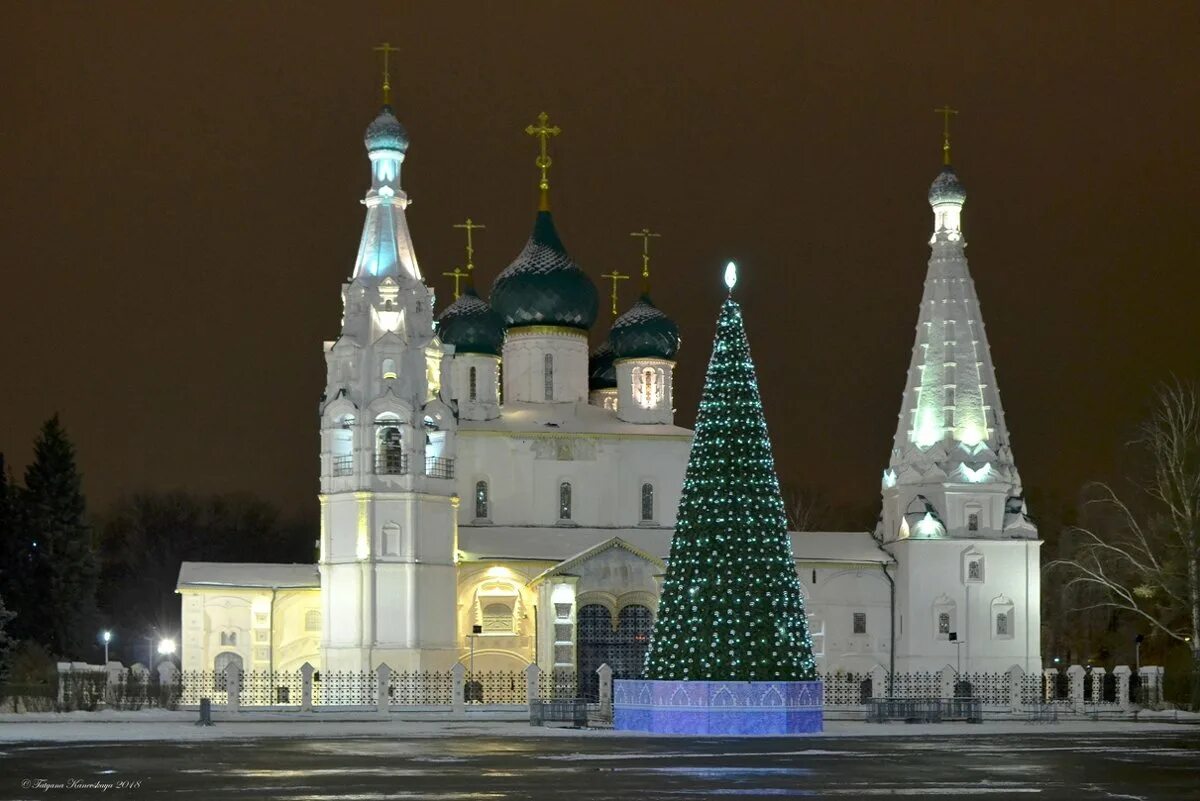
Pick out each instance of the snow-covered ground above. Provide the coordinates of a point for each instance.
(159, 725)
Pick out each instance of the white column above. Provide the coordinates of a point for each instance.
(605, 673)
(306, 690)
(1075, 674)
(383, 676)
(1016, 682)
(532, 685)
(458, 675)
(1122, 672)
(948, 678)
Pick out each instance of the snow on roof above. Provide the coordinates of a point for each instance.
(247, 574)
(567, 418)
(559, 543)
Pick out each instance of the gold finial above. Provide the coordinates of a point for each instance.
(615, 276)
(386, 48)
(945, 111)
(457, 275)
(646, 236)
(543, 132)
(470, 226)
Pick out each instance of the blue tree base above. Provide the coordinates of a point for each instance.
(718, 707)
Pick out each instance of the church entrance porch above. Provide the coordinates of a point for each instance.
(621, 646)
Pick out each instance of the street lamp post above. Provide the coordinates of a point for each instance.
(107, 637)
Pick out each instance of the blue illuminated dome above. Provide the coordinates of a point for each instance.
(386, 133)
(947, 188)
(471, 326)
(644, 332)
(602, 373)
(543, 285)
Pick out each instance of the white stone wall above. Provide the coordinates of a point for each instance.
(525, 351)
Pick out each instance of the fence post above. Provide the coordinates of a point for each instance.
(115, 672)
(458, 700)
(879, 682)
(168, 676)
(1122, 672)
(533, 687)
(383, 678)
(233, 687)
(948, 679)
(306, 687)
(1075, 674)
(1050, 682)
(1097, 686)
(605, 690)
(1016, 684)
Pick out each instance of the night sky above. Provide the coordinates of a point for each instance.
(179, 194)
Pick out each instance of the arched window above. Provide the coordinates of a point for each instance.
(389, 449)
(1002, 624)
(647, 502)
(975, 570)
(228, 638)
(973, 521)
(481, 500)
(564, 501)
(471, 383)
(548, 375)
(497, 618)
(1002, 615)
(943, 623)
(312, 620)
(647, 386)
(342, 446)
(389, 368)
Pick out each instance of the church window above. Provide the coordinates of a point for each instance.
(312, 620)
(471, 383)
(497, 618)
(1002, 614)
(389, 449)
(975, 570)
(647, 386)
(564, 501)
(1002, 624)
(548, 375)
(973, 521)
(481, 500)
(228, 638)
(647, 502)
(389, 369)
(860, 623)
(943, 623)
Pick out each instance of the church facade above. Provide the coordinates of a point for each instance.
(494, 492)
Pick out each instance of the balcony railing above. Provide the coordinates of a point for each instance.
(438, 467)
(391, 463)
(343, 465)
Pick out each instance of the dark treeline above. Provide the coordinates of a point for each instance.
(66, 576)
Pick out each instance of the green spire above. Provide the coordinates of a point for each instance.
(731, 607)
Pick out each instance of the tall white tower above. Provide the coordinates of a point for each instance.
(388, 520)
(953, 510)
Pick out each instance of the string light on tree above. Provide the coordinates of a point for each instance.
(731, 607)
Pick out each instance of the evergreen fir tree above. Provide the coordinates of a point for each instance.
(62, 560)
(6, 642)
(731, 607)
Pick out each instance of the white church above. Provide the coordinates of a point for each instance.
(490, 491)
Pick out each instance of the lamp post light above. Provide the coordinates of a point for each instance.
(107, 637)
(166, 647)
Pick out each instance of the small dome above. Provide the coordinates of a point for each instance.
(947, 188)
(471, 326)
(386, 133)
(543, 285)
(644, 332)
(602, 374)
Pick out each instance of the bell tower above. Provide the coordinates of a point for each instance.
(388, 507)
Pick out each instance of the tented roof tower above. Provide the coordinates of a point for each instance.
(951, 472)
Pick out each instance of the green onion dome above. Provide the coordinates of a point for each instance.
(471, 326)
(386, 133)
(644, 332)
(602, 373)
(543, 285)
(946, 188)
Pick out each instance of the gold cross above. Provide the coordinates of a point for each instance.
(470, 226)
(386, 48)
(458, 275)
(646, 235)
(945, 111)
(543, 132)
(615, 276)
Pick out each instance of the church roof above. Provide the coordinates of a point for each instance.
(946, 187)
(644, 331)
(247, 574)
(471, 325)
(544, 285)
(558, 544)
(385, 132)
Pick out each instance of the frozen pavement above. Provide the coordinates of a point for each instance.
(466, 761)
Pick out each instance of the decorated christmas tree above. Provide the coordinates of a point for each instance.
(731, 607)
